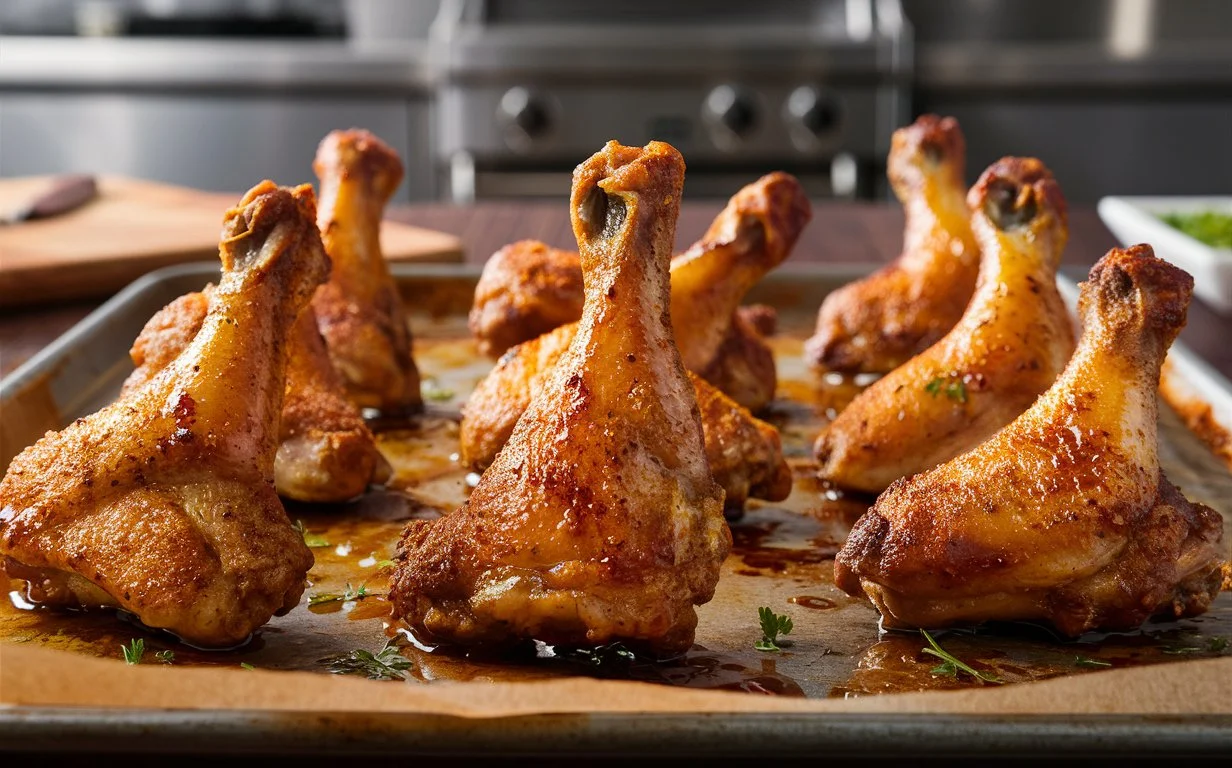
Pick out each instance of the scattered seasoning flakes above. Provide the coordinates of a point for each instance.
(951, 665)
(133, 651)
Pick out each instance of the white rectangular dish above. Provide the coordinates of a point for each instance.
(1138, 220)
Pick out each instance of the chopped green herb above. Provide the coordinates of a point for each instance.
(1210, 227)
(772, 625)
(385, 664)
(349, 594)
(385, 563)
(1217, 644)
(431, 389)
(313, 540)
(166, 657)
(1083, 661)
(1181, 650)
(133, 651)
(952, 388)
(246, 665)
(951, 666)
(599, 655)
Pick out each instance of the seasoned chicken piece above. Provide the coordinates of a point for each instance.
(359, 310)
(529, 288)
(876, 324)
(163, 503)
(325, 451)
(745, 453)
(599, 520)
(1064, 515)
(527, 285)
(1011, 343)
(526, 290)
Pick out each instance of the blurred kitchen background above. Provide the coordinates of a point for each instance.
(502, 98)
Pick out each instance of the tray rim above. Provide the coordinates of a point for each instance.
(25, 727)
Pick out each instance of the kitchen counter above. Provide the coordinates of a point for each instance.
(866, 233)
(194, 64)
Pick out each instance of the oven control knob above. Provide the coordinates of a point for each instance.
(731, 114)
(524, 114)
(812, 114)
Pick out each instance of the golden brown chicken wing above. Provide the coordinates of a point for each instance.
(525, 284)
(526, 290)
(325, 451)
(1064, 515)
(1011, 343)
(359, 310)
(599, 520)
(745, 453)
(876, 324)
(163, 503)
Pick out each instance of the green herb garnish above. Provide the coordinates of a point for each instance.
(246, 665)
(952, 388)
(599, 655)
(349, 594)
(385, 563)
(772, 625)
(166, 657)
(431, 389)
(385, 664)
(1083, 661)
(1209, 227)
(133, 651)
(950, 665)
(313, 540)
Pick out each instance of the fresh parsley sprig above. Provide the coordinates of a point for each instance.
(950, 665)
(133, 651)
(772, 625)
(385, 664)
(166, 657)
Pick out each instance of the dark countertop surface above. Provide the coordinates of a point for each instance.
(839, 233)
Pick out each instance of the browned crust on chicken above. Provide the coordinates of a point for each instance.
(526, 290)
(1064, 516)
(599, 520)
(359, 311)
(876, 324)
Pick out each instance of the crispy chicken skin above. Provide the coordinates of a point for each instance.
(325, 451)
(744, 452)
(527, 283)
(527, 288)
(359, 310)
(1010, 345)
(599, 521)
(163, 503)
(876, 324)
(1064, 515)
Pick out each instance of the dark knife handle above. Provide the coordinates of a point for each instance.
(64, 194)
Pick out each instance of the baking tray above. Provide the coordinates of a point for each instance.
(82, 371)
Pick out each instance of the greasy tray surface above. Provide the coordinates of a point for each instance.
(781, 558)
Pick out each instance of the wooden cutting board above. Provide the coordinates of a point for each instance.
(133, 227)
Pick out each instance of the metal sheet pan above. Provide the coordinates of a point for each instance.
(82, 371)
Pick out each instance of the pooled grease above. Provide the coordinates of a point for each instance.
(781, 559)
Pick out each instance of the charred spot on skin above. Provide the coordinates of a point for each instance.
(603, 214)
(1009, 205)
